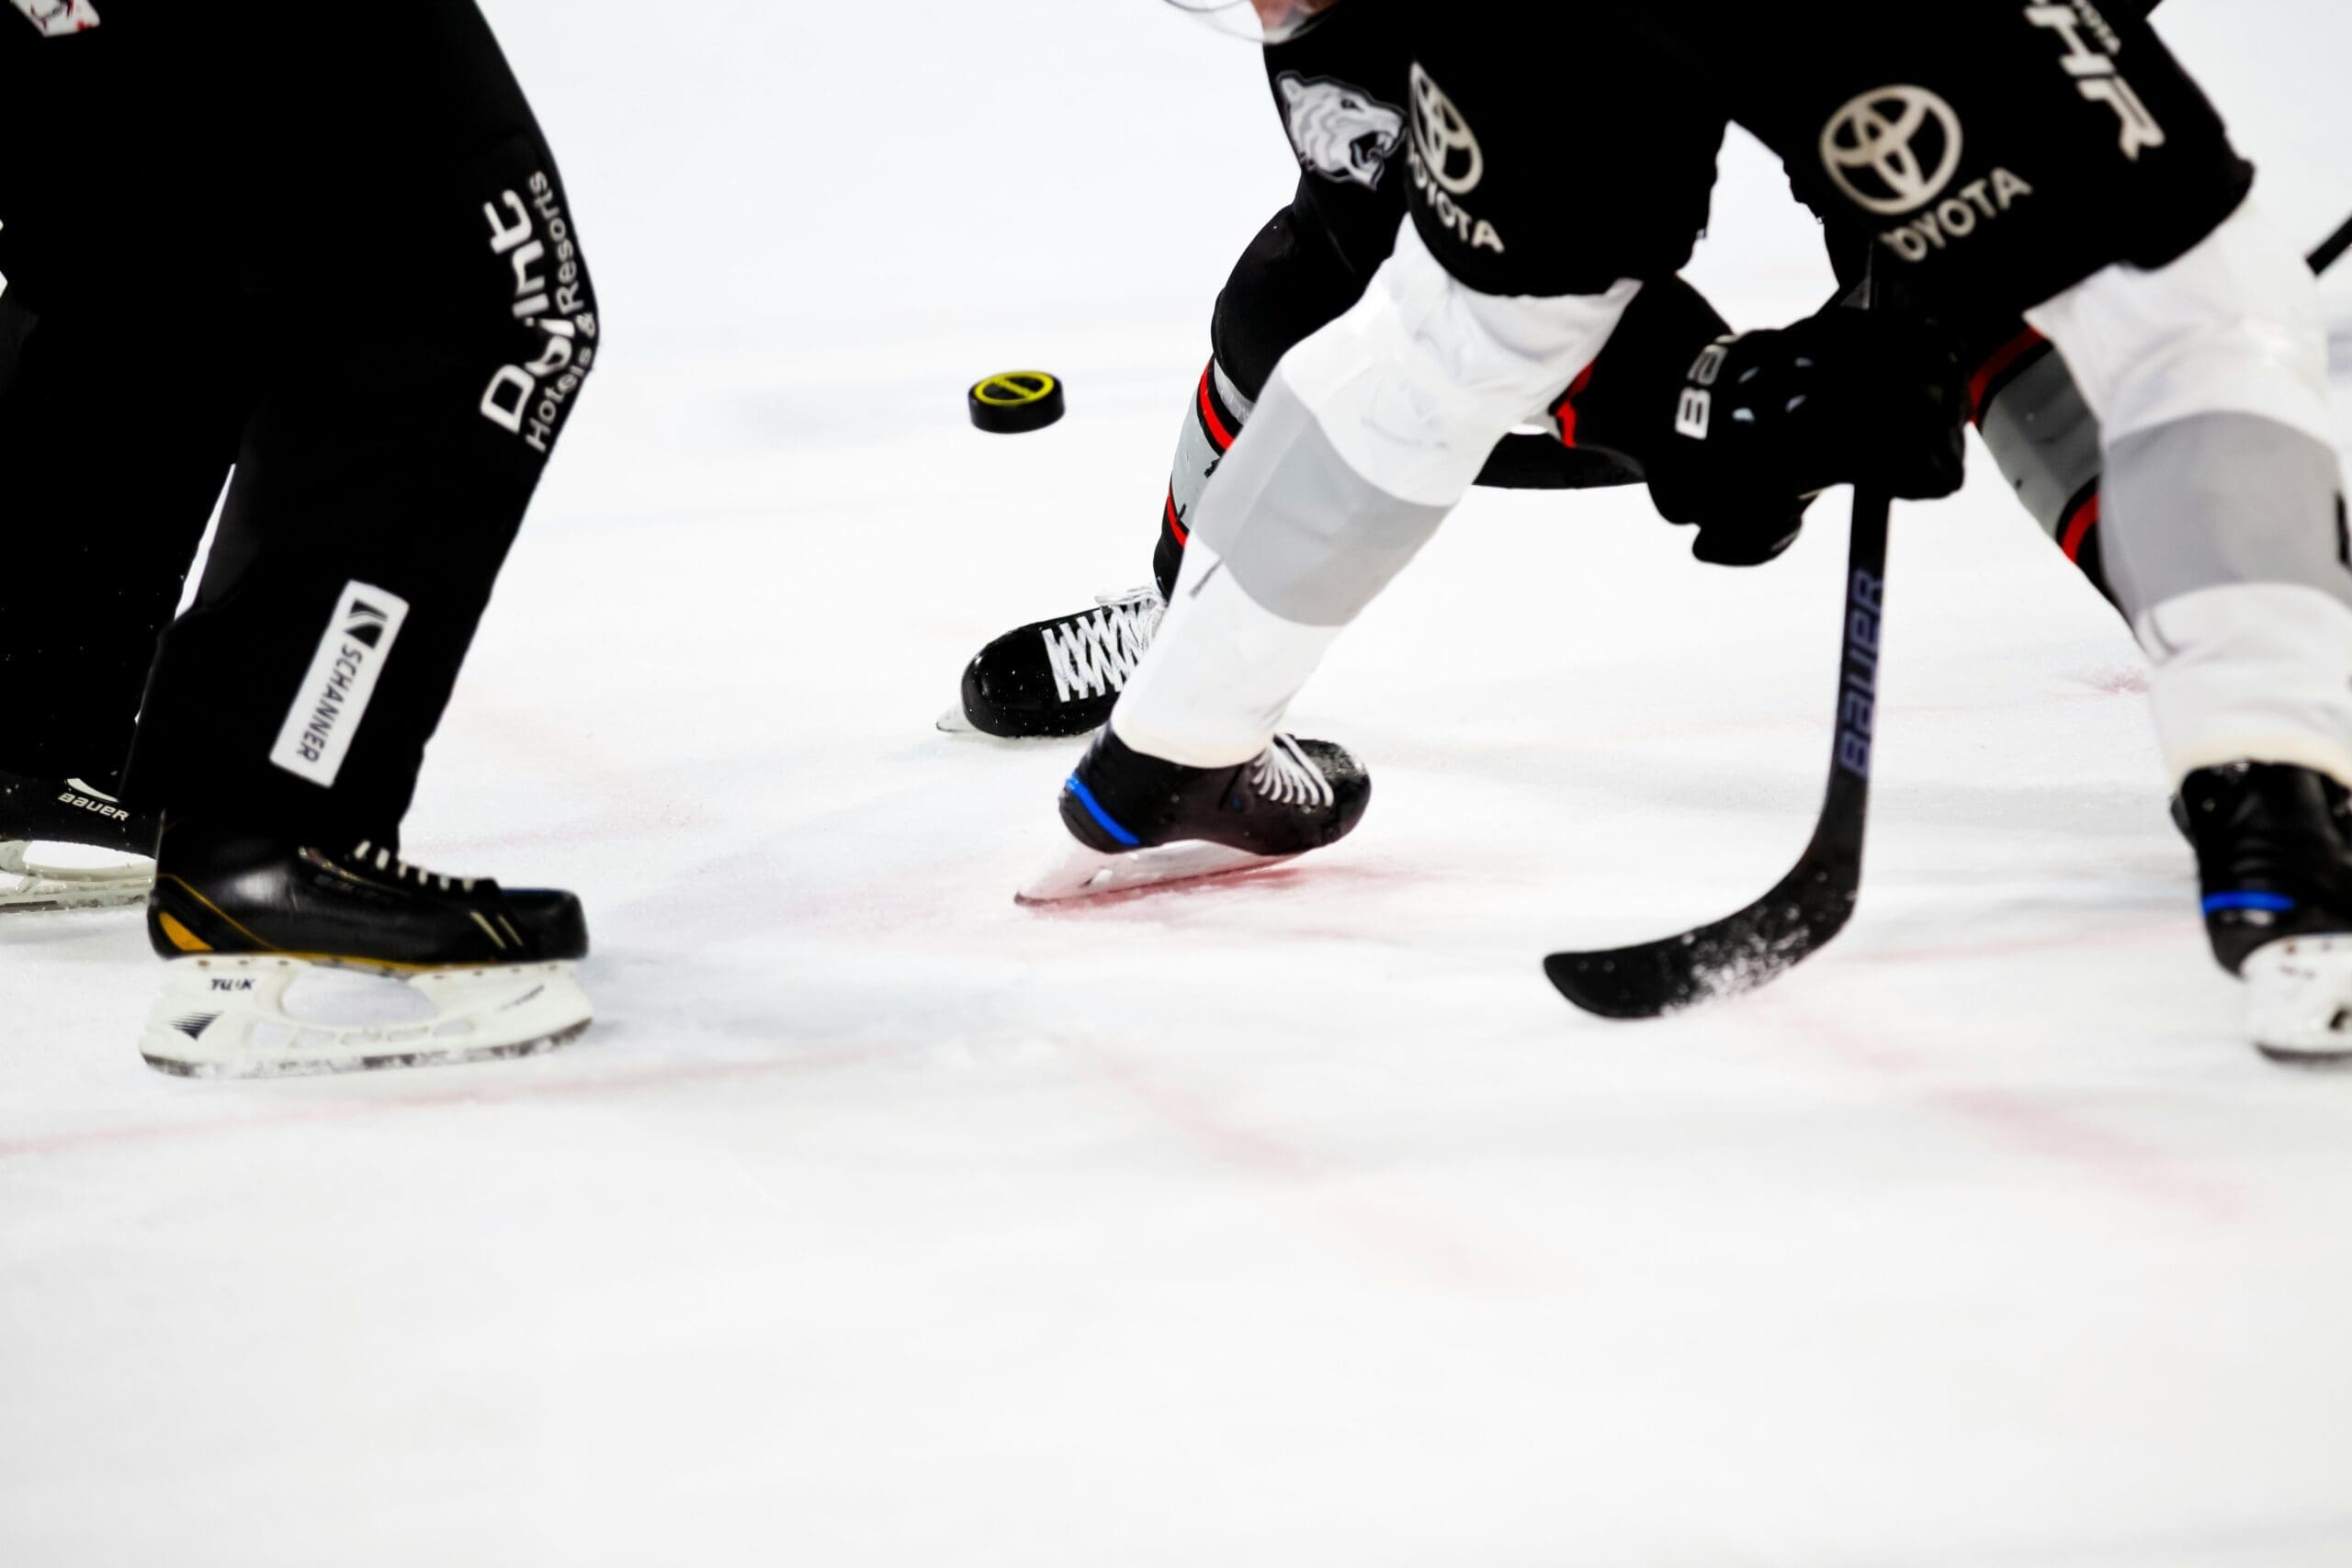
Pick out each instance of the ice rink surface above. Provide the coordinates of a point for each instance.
(1292, 1221)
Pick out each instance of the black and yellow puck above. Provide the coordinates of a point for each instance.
(1015, 402)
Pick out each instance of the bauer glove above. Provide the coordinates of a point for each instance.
(1768, 420)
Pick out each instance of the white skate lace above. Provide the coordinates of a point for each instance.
(1093, 654)
(401, 871)
(1286, 774)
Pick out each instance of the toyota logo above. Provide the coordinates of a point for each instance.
(1441, 137)
(1892, 151)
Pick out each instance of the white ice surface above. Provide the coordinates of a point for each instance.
(1289, 1222)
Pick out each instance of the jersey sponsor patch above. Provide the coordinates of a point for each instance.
(535, 242)
(1448, 163)
(1340, 131)
(1449, 154)
(56, 18)
(1956, 217)
(344, 674)
(1896, 151)
(1892, 151)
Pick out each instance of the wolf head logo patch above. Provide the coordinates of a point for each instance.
(1341, 132)
(56, 18)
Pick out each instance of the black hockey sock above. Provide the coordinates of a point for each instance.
(2045, 438)
(1211, 424)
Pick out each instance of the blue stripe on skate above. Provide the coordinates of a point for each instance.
(2277, 903)
(1094, 810)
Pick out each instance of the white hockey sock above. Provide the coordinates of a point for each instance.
(2220, 533)
(2252, 672)
(1221, 672)
(1367, 434)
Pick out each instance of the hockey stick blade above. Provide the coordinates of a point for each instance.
(2332, 249)
(1808, 907)
(1732, 957)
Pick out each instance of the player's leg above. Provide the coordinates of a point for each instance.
(1058, 677)
(379, 486)
(2046, 441)
(2053, 158)
(1366, 435)
(1339, 91)
(106, 498)
(1342, 91)
(120, 395)
(2224, 541)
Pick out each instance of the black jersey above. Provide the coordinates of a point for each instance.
(1995, 151)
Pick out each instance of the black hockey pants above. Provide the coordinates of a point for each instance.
(328, 245)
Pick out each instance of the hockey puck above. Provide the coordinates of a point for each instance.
(1015, 402)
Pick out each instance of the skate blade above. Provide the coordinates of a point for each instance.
(953, 722)
(29, 885)
(223, 1017)
(1081, 873)
(2300, 992)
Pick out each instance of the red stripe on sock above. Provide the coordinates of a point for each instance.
(2008, 354)
(2078, 528)
(1175, 524)
(1215, 426)
(1567, 412)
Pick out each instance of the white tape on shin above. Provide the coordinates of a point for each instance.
(1221, 672)
(1416, 383)
(2234, 326)
(2210, 377)
(2255, 673)
(1369, 430)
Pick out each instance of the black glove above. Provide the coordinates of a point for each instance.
(1747, 530)
(1625, 405)
(1540, 462)
(1622, 406)
(1768, 420)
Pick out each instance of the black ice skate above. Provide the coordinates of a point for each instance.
(2272, 859)
(290, 959)
(1058, 678)
(1138, 821)
(75, 815)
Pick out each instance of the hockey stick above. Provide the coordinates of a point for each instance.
(1811, 905)
(2332, 249)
